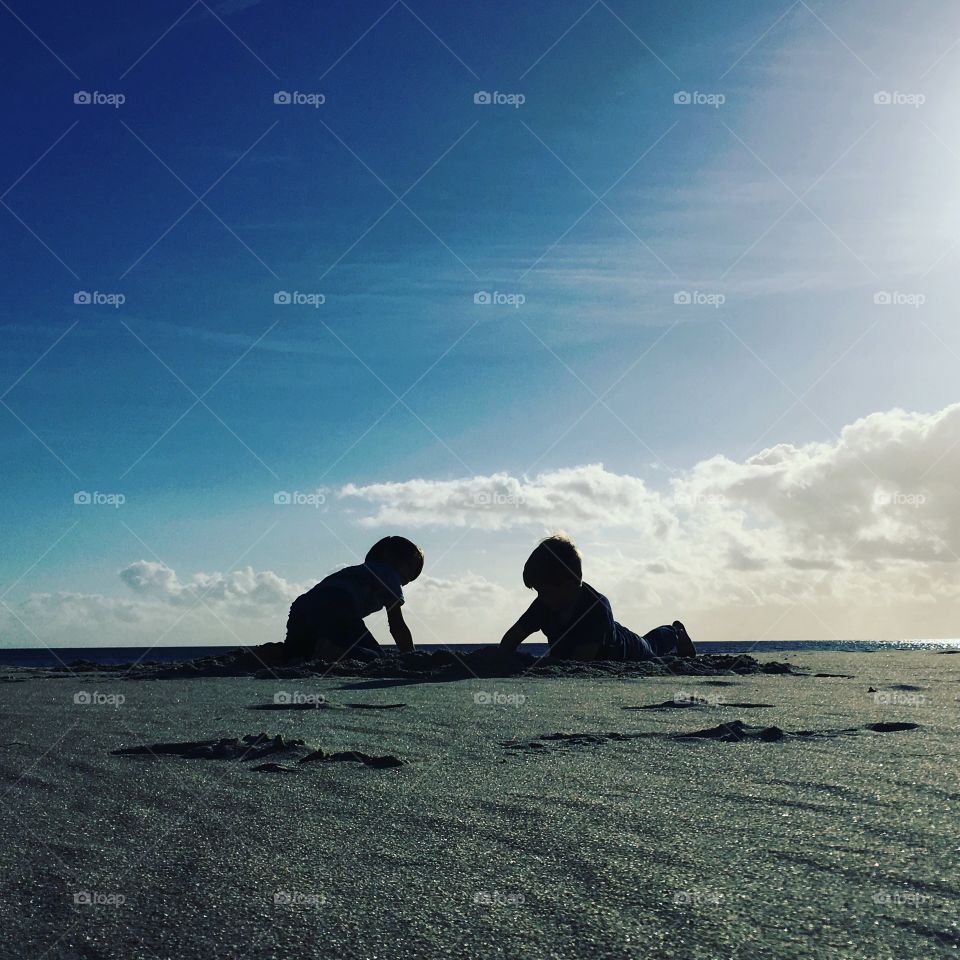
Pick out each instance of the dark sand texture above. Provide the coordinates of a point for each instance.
(622, 835)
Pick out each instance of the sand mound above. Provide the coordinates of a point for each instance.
(733, 731)
(696, 702)
(259, 746)
(736, 731)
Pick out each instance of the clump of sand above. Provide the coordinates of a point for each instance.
(259, 746)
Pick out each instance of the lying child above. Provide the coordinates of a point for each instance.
(577, 620)
(327, 621)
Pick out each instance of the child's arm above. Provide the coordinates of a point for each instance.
(529, 623)
(399, 630)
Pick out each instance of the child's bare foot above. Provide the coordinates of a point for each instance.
(685, 646)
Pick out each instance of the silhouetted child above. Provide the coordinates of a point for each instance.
(327, 621)
(577, 620)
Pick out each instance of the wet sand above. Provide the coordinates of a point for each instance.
(727, 815)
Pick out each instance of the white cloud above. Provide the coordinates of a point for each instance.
(243, 606)
(580, 496)
(859, 537)
(863, 529)
(242, 592)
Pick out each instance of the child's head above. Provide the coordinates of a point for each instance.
(400, 553)
(554, 571)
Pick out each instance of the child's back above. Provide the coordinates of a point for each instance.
(327, 620)
(370, 586)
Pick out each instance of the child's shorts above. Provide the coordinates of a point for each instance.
(659, 642)
(323, 623)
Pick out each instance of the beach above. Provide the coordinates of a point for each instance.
(524, 817)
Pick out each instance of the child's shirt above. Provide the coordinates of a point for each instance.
(370, 587)
(591, 621)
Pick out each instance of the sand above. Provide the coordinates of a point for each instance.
(729, 815)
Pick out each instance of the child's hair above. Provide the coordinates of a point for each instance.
(554, 561)
(394, 550)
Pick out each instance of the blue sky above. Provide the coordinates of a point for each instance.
(598, 201)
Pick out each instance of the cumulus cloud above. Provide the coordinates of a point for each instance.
(884, 489)
(242, 606)
(243, 592)
(462, 593)
(579, 496)
(857, 537)
(872, 517)
(76, 609)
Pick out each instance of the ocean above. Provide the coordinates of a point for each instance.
(58, 656)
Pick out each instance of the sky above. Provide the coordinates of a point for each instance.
(282, 277)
